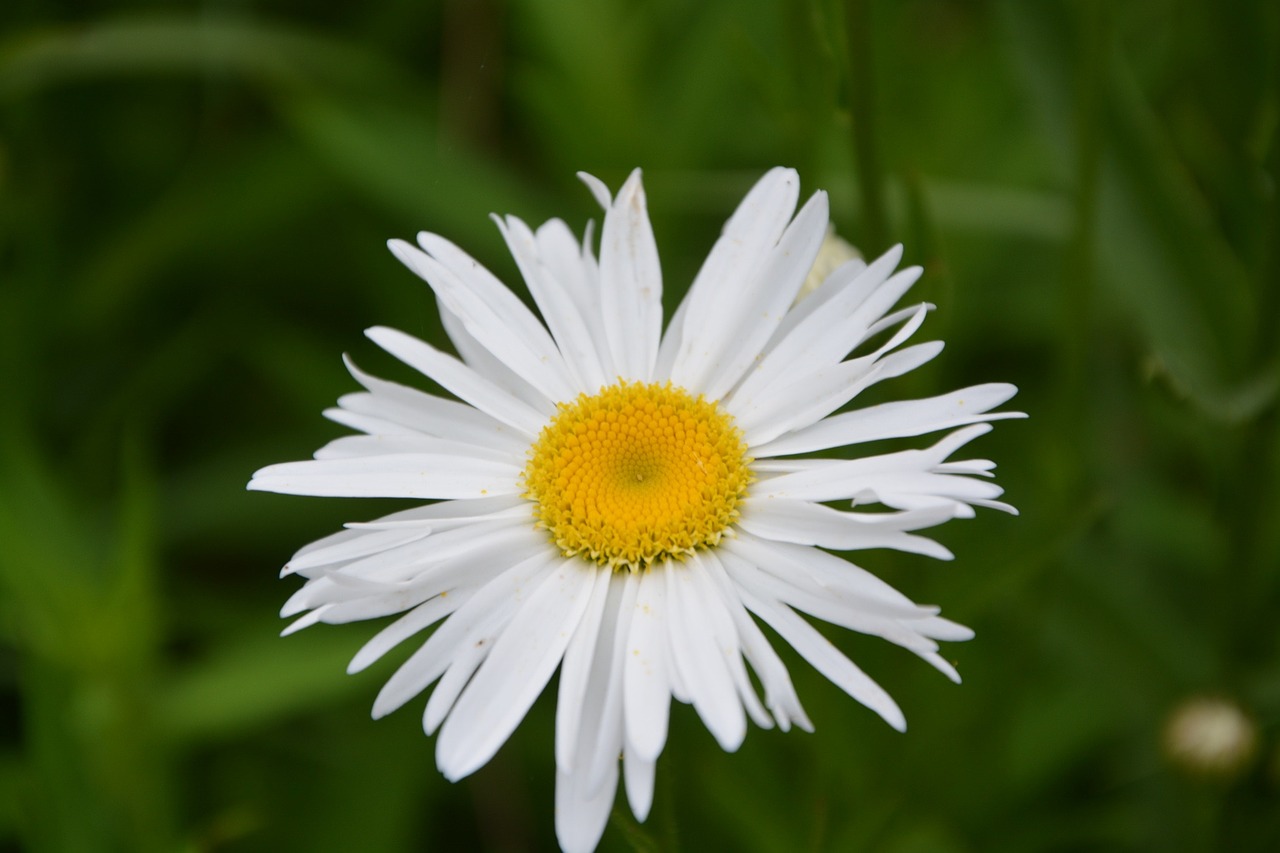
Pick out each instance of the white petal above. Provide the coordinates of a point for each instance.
(699, 659)
(404, 475)
(830, 608)
(826, 658)
(588, 649)
(716, 608)
(798, 401)
(569, 326)
(427, 413)
(764, 299)
(357, 446)
(894, 420)
(581, 812)
(417, 619)
(808, 523)
(516, 670)
(842, 292)
(601, 753)
(638, 776)
(780, 694)
(737, 256)
(490, 312)
(480, 619)
(460, 380)
(646, 685)
(817, 570)
(484, 363)
(631, 283)
(598, 189)
(903, 474)
(819, 335)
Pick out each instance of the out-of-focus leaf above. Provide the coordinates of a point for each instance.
(246, 193)
(396, 158)
(33, 60)
(1156, 242)
(254, 683)
(1055, 728)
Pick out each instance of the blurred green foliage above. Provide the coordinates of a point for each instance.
(194, 199)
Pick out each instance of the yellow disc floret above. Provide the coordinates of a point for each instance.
(636, 473)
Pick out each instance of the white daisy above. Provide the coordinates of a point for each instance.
(625, 504)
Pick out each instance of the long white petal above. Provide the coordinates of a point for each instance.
(581, 810)
(748, 236)
(715, 607)
(419, 618)
(699, 659)
(799, 401)
(605, 743)
(637, 775)
(896, 420)
(826, 658)
(402, 475)
(819, 572)
(581, 658)
(764, 301)
(780, 694)
(489, 311)
(516, 670)
(821, 335)
(807, 523)
(427, 413)
(631, 283)
(460, 380)
(646, 684)
(479, 620)
(563, 315)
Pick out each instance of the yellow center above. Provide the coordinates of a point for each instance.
(636, 473)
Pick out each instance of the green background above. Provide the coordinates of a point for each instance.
(194, 199)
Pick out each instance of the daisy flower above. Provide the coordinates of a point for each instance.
(628, 505)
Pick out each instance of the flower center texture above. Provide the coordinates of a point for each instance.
(636, 473)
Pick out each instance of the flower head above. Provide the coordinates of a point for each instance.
(624, 503)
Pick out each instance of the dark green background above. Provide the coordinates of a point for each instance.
(194, 200)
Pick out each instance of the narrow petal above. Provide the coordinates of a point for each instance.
(749, 235)
(478, 620)
(715, 608)
(637, 774)
(403, 475)
(896, 420)
(490, 312)
(569, 326)
(801, 400)
(582, 810)
(780, 694)
(807, 523)
(819, 336)
(646, 684)
(427, 413)
(631, 283)
(459, 379)
(581, 657)
(826, 658)
(360, 446)
(605, 744)
(763, 302)
(700, 661)
(418, 619)
(801, 565)
(516, 670)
